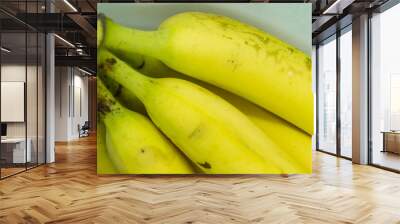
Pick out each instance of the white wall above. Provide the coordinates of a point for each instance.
(13, 101)
(62, 81)
(71, 102)
(80, 110)
(12, 73)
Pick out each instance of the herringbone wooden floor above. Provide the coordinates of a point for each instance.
(69, 191)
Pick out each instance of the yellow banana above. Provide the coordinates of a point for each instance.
(210, 131)
(291, 139)
(104, 164)
(124, 96)
(229, 54)
(296, 143)
(133, 143)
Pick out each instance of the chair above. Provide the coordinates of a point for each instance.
(84, 130)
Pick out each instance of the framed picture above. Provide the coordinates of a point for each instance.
(204, 88)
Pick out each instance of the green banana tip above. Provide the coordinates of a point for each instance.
(101, 26)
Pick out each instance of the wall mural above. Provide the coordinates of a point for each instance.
(204, 88)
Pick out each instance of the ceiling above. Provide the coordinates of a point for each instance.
(75, 22)
(74, 25)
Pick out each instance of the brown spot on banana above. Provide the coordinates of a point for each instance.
(195, 132)
(205, 165)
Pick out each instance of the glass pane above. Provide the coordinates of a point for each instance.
(327, 96)
(23, 88)
(31, 97)
(346, 94)
(386, 89)
(32, 88)
(13, 87)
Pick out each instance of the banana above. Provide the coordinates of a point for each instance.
(291, 139)
(134, 144)
(210, 131)
(249, 62)
(104, 164)
(124, 96)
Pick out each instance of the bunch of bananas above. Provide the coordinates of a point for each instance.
(202, 94)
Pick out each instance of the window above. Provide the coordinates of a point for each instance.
(385, 89)
(346, 92)
(327, 96)
(333, 137)
(22, 77)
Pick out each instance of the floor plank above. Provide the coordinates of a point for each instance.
(70, 191)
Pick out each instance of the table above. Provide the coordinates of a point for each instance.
(18, 149)
(391, 141)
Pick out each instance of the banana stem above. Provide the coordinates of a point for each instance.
(116, 37)
(122, 73)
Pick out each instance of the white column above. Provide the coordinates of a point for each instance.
(360, 90)
(50, 93)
